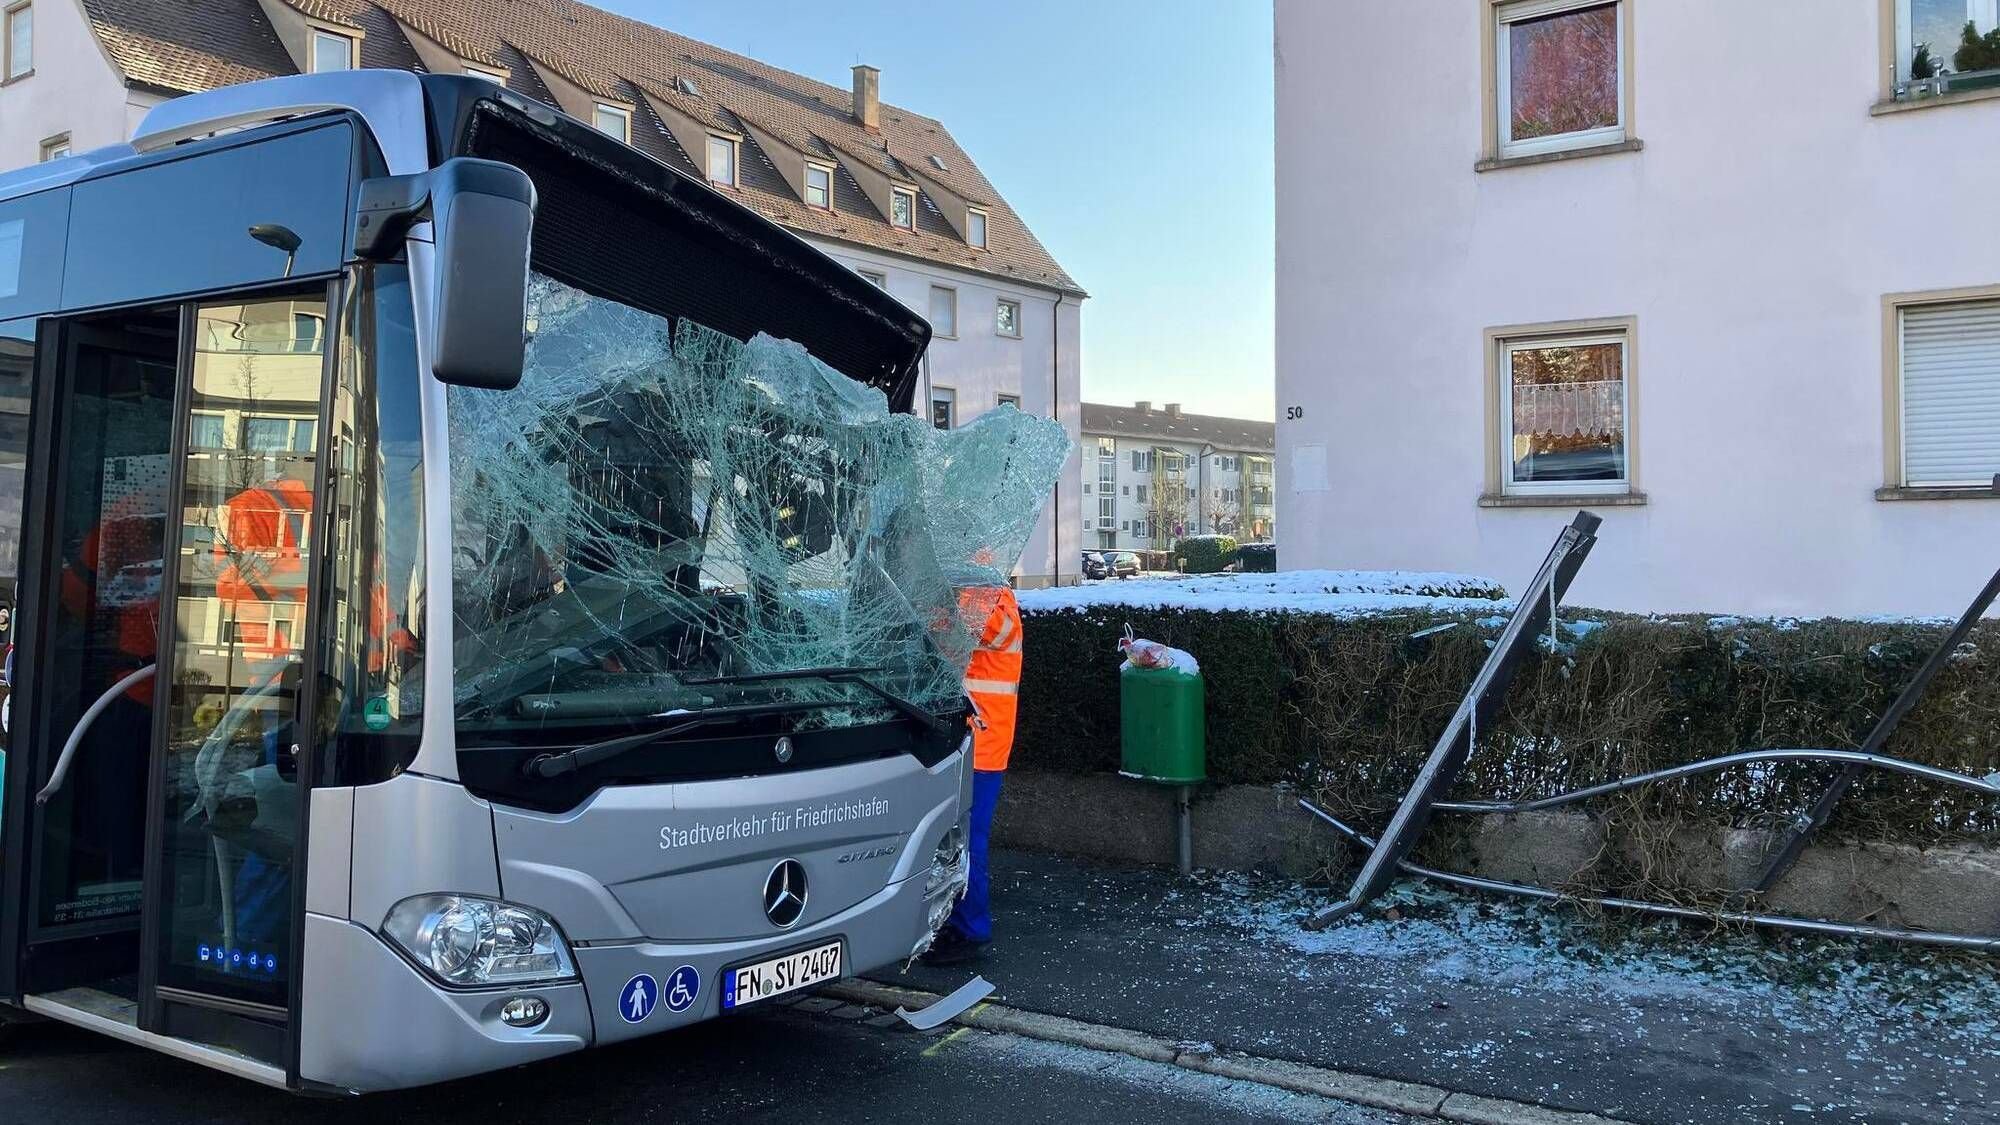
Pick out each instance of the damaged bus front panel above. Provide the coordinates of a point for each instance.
(598, 702)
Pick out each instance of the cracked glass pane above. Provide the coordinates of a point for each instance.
(658, 505)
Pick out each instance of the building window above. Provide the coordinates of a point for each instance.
(1139, 493)
(903, 208)
(1007, 318)
(1933, 55)
(975, 228)
(205, 431)
(944, 311)
(944, 407)
(1562, 415)
(490, 75)
(819, 186)
(20, 41)
(330, 51)
(308, 333)
(615, 121)
(56, 147)
(1559, 75)
(721, 161)
(1107, 448)
(876, 278)
(1948, 387)
(1009, 400)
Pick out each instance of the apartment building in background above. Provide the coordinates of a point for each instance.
(882, 189)
(1153, 474)
(1727, 273)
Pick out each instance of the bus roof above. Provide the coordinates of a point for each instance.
(619, 222)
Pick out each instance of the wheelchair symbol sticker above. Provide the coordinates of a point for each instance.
(636, 1002)
(683, 989)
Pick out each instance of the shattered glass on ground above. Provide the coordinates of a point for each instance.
(1642, 1020)
(658, 504)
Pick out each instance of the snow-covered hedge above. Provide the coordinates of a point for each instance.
(1206, 554)
(1341, 685)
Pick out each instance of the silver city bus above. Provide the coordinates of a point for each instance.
(394, 700)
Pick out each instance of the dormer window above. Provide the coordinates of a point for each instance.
(903, 208)
(975, 228)
(819, 186)
(721, 161)
(614, 120)
(331, 51)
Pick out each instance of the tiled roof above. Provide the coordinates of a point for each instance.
(196, 46)
(1155, 423)
(181, 47)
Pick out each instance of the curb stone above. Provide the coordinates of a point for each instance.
(1360, 1089)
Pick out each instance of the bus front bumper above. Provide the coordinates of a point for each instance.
(373, 1022)
(887, 928)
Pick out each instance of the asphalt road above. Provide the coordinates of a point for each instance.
(783, 1065)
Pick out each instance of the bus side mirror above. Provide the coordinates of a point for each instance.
(482, 216)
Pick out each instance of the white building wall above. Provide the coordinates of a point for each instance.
(1042, 368)
(1753, 240)
(74, 89)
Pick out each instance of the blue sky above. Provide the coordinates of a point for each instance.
(1134, 136)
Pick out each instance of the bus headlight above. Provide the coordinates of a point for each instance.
(470, 942)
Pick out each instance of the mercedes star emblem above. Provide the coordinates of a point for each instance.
(783, 749)
(785, 894)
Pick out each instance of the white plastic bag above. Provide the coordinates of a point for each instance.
(1152, 654)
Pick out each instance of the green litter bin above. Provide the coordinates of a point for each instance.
(1164, 738)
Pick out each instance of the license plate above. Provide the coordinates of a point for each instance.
(747, 984)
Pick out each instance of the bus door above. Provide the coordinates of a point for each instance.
(162, 674)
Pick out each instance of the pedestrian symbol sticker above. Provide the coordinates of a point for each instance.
(682, 989)
(376, 713)
(636, 1002)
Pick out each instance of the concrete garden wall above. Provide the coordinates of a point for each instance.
(1949, 887)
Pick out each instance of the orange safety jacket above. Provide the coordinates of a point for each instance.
(993, 679)
(260, 557)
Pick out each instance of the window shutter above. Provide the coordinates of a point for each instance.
(1951, 394)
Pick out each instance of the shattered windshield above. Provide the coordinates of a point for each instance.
(658, 505)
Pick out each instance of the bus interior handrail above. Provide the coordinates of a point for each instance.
(61, 772)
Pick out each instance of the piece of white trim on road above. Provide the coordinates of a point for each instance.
(943, 1011)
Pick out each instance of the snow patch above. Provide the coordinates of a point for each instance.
(1340, 593)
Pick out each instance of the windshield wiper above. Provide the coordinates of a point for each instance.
(857, 676)
(570, 761)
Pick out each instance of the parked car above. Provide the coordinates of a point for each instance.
(1119, 564)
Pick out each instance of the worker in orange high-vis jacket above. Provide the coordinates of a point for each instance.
(993, 683)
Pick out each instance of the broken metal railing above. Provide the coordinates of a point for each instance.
(1482, 699)
(1481, 704)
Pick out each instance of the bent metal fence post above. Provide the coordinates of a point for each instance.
(1533, 613)
(1390, 853)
